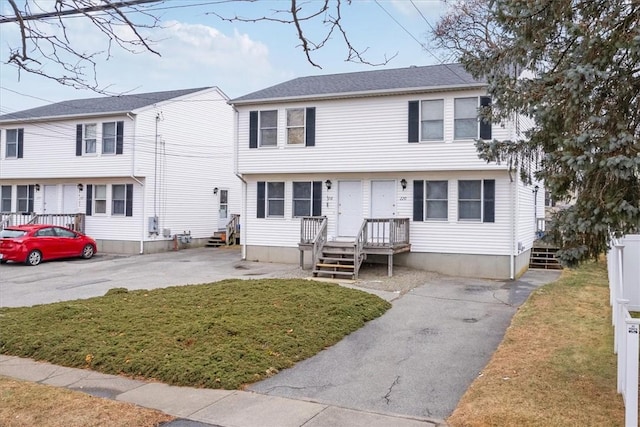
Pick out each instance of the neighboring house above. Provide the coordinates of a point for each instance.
(382, 162)
(139, 173)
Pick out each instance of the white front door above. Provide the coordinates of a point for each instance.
(50, 205)
(383, 206)
(349, 208)
(383, 199)
(69, 199)
(223, 209)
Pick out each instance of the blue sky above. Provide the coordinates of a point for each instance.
(199, 49)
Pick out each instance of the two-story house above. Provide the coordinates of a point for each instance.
(381, 165)
(134, 171)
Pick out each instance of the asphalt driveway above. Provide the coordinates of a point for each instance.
(416, 360)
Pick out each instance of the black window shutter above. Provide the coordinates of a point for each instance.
(129, 206)
(310, 137)
(120, 137)
(489, 202)
(78, 140)
(418, 200)
(260, 203)
(485, 125)
(414, 121)
(20, 143)
(89, 199)
(317, 198)
(253, 129)
(31, 189)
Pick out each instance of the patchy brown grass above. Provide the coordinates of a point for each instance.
(555, 366)
(25, 404)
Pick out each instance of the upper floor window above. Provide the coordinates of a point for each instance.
(268, 128)
(5, 198)
(307, 198)
(432, 120)
(301, 127)
(295, 126)
(14, 143)
(465, 123)
(476, 200)
(109, 138)
(89, 138)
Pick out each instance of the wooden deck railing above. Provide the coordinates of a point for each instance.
(386, 232)
(233, 228)
(73, 221)
(313, 233)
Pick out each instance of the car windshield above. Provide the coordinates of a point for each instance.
(9, 234)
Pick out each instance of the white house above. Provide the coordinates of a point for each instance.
(139, 173)
(381, 162)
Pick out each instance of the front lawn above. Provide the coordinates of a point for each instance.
(217, 335)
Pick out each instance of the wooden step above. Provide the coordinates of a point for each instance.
(333, 273)
(334, 266)
(543, 257)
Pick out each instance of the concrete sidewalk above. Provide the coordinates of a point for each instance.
(205, 407)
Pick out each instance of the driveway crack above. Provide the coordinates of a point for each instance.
(387, 396)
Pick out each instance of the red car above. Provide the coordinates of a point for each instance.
(35, 243)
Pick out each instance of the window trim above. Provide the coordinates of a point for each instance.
(476, 118)
(269, 199)
(128, 200)
(421, 130)
(487, 201)
(261, 129)
(30, 196)
(427, 200)
(3, 199)
(18, 143)
(302, 143)
(85, 139)
(315, 199)
(114, 138)
(95, 199)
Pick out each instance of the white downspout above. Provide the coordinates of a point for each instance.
(133, 177)
(512, 259)
(243, 206)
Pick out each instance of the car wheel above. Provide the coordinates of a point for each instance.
(34, 258)
(87, 251)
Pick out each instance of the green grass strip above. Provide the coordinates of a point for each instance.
(217, 335)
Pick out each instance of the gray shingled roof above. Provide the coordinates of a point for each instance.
(392, 80)
(91, 106)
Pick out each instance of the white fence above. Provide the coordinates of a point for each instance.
(623, 264)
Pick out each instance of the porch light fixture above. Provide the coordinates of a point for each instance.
(80, 187)
(327, 184)
(37, 187)
(403, 183)
(215, 190)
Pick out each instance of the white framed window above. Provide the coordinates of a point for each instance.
(109, 138)
(5, 198)
(11, 151)
(432, 120)
(275, 199)
(89, 134)
(269, 128)
(437, 200)
(25, 197)
(100, 199)
(295, 126)
(465, 124)
(476, 200)
(118, 199)
(302, 199)
(223, 210)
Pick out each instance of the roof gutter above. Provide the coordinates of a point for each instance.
(65, 117)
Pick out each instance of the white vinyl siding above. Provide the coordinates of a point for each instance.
(362, 135)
